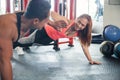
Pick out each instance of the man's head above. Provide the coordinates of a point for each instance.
(37, 13)
(37, 9)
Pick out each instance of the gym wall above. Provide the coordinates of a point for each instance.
(111, 12)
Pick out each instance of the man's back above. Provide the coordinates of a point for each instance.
(8, 27)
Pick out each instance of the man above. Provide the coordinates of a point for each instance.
(11, 26)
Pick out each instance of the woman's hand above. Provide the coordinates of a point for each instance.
(94, 62)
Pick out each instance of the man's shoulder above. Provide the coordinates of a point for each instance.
(7, 16)
(8, 21)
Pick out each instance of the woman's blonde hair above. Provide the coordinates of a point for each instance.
(85, 34)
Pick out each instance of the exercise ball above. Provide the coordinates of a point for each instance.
(117, 49)
(111, 33)
(106, 48)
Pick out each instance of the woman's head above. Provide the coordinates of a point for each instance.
(84, 28)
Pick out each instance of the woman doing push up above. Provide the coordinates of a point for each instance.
(81, 27)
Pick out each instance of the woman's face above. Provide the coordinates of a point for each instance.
(81, 23)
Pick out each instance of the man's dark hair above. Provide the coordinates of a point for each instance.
(37, 9)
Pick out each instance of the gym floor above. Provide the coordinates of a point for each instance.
(43, 63)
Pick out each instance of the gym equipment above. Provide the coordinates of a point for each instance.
(111, 33)
(106, 48)
(117, 50)
(56, 44)
(97, 38)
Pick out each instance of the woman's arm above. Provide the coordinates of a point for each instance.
(58, 25)
(87, 54)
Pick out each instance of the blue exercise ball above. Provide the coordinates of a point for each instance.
(111, 33)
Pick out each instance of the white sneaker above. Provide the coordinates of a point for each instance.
(19, 50)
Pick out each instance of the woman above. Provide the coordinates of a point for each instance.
(81, 27)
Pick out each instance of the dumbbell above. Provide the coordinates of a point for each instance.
(106, 48)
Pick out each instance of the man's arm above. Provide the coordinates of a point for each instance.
(5, 58)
